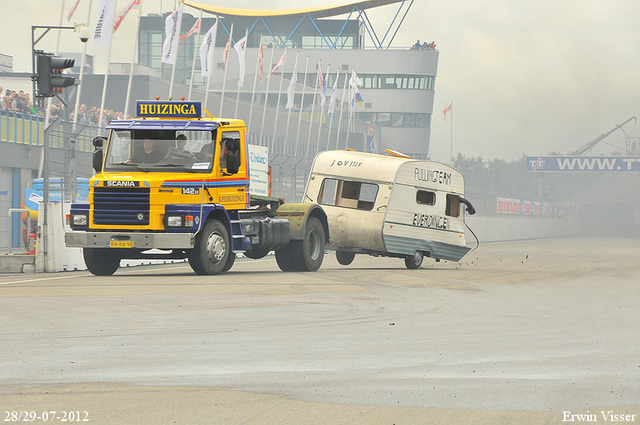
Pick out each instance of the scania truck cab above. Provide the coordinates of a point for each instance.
(173, 185)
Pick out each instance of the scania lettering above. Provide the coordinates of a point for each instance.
(155, 197)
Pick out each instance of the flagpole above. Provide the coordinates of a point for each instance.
(322, 112)
(304, 86)
(84, 59)
(275, 125)
(266, 96)
(133, 58)
(344, 89)
(241, 74)
(106, 74)
(175, 57)
(333, 112)
(313, 110)
(255, 81)
(210, 61)
(195, 51)
(226, 67)
(293, 96)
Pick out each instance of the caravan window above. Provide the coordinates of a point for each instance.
(425, 198)
(453, 206)
(350, 194)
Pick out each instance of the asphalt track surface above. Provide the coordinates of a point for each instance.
(526, 332)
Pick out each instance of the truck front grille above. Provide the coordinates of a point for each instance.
(121, 206)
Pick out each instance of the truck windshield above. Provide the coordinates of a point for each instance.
(160, 150)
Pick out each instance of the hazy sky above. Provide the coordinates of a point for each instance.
(525, 77)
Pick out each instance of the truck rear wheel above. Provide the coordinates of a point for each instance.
(414, 261)
(284, 258)
(101, 261)
(345, 257)
(211, 253)
(309, 253)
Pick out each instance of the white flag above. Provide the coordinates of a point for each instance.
(72, 11)
(323, 88)
(332, 102)
(261, 62)
(292, 86)
(104, 26)
(172, 33)
(240, 46)
(191, 31)
(280, 62)
(354, 81)
(205, 51)
(123, 13)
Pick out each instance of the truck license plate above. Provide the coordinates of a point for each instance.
(121, 244)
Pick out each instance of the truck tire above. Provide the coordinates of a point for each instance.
(101, 261)
(414, 261)
(230, 261)
(308, 254)
(345, 257)
(211, 253)
(284, 258)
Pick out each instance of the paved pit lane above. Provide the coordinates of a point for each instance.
(542, 331)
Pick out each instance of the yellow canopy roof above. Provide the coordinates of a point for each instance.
(314, 12)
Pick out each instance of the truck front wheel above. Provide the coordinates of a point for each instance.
(211, 253)
(414, 261)
(101, 261)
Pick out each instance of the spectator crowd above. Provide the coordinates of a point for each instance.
(424, 46)
(21, 103)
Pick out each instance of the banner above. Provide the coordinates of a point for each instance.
(206, 49)
(583, 163)
(171, 30)
(102, 31)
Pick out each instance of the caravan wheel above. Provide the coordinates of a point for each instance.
(414, 261)
(345, 257)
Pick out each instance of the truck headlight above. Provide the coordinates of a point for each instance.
(174, 221)
(80, 219)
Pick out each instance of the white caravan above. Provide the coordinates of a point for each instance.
(390, 206)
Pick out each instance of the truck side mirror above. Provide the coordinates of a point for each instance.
(98, 142)
(233, 155)
(97, 159)
(98, 154)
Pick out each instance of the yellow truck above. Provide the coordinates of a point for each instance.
(173, 185)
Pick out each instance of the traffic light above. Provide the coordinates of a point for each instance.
(49, 78)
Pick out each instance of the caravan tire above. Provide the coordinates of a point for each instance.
(101, 261)
(345, 257)
(414, 261)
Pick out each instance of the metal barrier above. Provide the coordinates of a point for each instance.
(20, 210)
